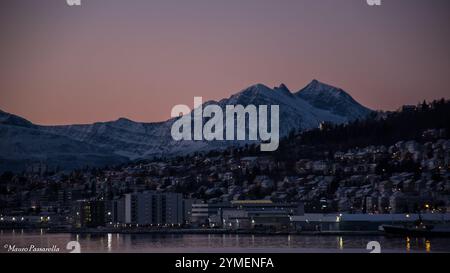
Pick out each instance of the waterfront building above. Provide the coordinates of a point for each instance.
(246, 214)
(89, 214)
(361, 222)
(202, 212)
(187, 209)
(261, 214)
(148, 209)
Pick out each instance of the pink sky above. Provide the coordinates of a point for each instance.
(137, 58)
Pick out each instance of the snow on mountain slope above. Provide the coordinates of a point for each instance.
(126, 139)
(332, 99)
(21, 146)
(296, 112)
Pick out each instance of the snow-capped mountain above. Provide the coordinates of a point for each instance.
(70, 146)
(23, 144)
(332, 99)
(305, 109)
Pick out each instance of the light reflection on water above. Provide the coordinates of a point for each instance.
(341, 242)
(179, 243)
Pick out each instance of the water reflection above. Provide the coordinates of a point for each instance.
(109, 242)
(341, 243)
(224, 242)
(428, 246)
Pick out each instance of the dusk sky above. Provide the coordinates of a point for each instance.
(138, 58)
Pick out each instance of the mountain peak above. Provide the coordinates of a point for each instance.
(252, 90)
(124, 120)
(125, 123)
(258, 87)
(334, 99)
(104, 143)
(318, 86)
(283, 89)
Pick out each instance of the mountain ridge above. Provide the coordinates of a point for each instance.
(127, 139)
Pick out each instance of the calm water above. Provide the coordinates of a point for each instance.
(190, 243)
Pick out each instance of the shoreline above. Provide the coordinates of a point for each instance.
(198, 231)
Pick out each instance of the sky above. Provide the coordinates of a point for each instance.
(138, 58)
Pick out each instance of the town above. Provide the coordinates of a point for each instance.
(242, 189)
